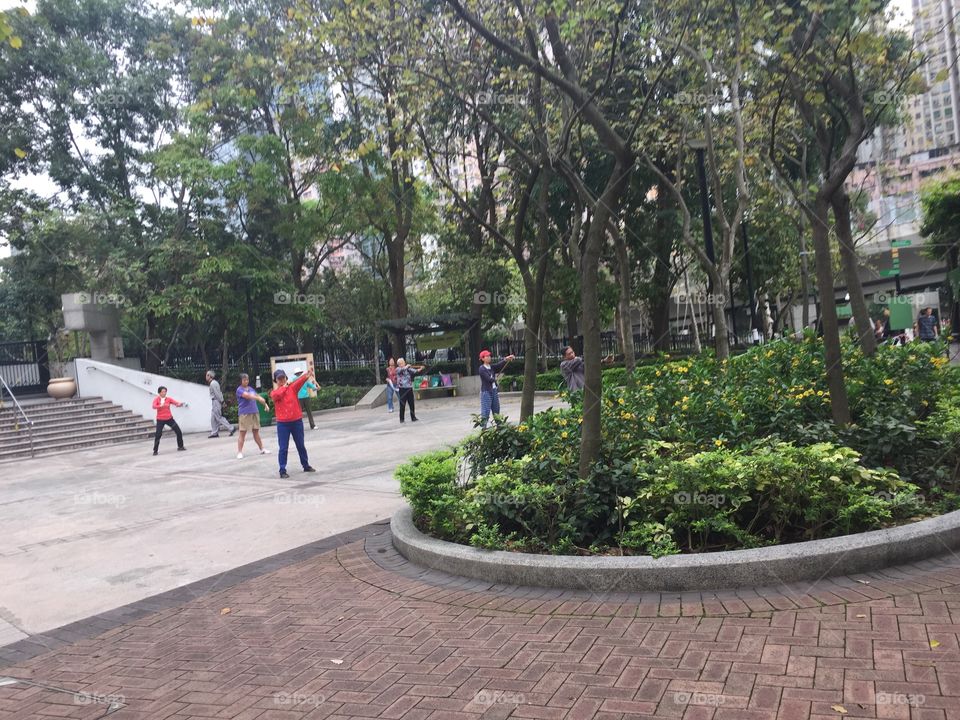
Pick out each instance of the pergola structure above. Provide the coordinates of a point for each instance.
(463, 323)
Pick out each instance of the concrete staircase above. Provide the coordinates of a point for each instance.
(63, 425)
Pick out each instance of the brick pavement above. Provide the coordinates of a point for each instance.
(346, 628)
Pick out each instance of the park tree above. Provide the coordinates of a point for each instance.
(840, 72)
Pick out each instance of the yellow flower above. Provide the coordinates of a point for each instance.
(651, 418)
(718, 443)
(888, 381)
(563, 434)
(621, 401)
(769, 353)
(658, 373)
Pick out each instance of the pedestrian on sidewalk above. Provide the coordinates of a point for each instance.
(303, 396)
(248, 414)
(405, 375)
(162, 404)
(286, 409)
(489, 390)
(217, 420)
(391, 383)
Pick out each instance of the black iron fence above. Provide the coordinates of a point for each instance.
(24, 366)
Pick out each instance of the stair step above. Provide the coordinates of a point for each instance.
(51, 439)
(70, 419)
(20, 453)
(35, 412)
(50, 436)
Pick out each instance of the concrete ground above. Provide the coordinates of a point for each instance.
(93, 530)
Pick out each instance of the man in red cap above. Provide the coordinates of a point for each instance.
(489, 392)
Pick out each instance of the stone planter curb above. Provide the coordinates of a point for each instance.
(759, 567)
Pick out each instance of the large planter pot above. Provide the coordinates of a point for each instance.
(62, 388)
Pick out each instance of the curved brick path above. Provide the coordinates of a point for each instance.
(346, 628)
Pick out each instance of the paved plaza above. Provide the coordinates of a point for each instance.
(215, 590)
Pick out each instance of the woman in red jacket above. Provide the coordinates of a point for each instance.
(286, 407)
(162, 403)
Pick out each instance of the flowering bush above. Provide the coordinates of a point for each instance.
(703, 455)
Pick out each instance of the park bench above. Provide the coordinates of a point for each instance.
(436, 387)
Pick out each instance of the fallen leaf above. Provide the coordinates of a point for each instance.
(861, 616)
(840, 709)
(337, 662)
(225, 611)
(863, 582)
(934, 643)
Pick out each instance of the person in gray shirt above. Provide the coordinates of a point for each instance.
(572, 368)
(217, 420)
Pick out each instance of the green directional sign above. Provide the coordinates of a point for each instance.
(890, 273)
(901, 243)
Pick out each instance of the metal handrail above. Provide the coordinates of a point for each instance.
(115, 377)
(19, 407)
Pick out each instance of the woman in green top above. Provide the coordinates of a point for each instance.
(304, 397)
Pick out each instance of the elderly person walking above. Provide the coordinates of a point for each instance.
(248, 414)
(391, 383)
(405, 374)
(217, 420)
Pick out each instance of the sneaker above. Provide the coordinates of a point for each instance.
(401, 422)
(263, 451)
(213, 436)
(309, 469)
(283, 474)
(232, 431)
(154, 452)
(315, 427)
(239, 456)
(181, 449)
(413, 420)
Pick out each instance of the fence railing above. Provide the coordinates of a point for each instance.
(19, 410)
(24, 365)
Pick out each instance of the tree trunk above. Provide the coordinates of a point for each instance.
(224, 357)
(848, 258)
(607, 205)
(718, 306)
(534, 319)
(398, 293)
(625, 325)
(839, 402)
(152, 360)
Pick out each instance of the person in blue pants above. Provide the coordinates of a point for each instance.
(286, 407)
(489, 392)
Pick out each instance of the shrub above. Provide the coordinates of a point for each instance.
(754, 431)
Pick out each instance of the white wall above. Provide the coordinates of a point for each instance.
(135, 390)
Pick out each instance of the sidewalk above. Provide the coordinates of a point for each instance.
(345, 628)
